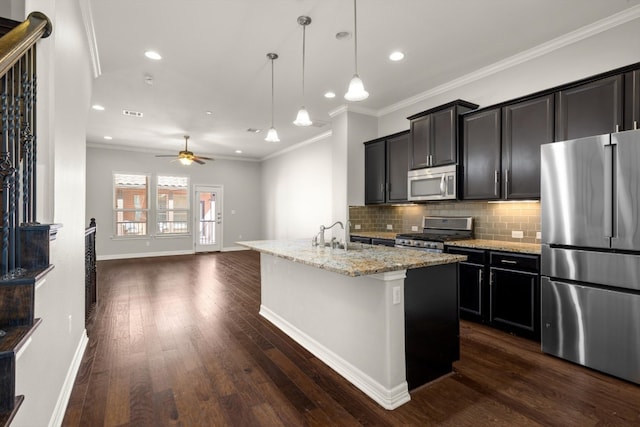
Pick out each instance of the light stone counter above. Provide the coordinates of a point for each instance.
(497, 245)
(358, 260)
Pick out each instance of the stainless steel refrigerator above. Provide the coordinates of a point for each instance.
(590, 284)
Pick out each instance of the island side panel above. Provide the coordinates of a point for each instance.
(350, 323)
(432, 322)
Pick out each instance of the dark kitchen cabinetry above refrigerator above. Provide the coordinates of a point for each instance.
(592, 108)
(434, 135)
(386, 163)
(632, 100)
(501, 289)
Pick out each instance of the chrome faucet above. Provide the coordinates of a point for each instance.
(323, 228)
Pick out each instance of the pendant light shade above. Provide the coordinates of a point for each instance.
(356, 90)
(272, 135)
(302, 119)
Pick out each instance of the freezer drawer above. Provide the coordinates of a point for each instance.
(594, 327)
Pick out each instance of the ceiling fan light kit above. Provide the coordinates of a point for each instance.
(356, 91)
(185, 156)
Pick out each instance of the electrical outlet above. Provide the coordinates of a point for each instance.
(357, 227)
(397, 295)
(538, 235)
(517, 234)
(389, 227)
(414, 228)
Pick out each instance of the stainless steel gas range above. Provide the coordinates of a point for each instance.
(436, 230)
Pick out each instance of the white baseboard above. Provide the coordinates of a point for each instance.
(235, 248)
(385, 397)
(143, 255)
(63, 398)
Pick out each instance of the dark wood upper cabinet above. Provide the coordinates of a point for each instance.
(525, 126)
(374, 172)
(480, 169)
(397, 168)
(386, 163)
(592, 108)
(632, 100)
(434, 135)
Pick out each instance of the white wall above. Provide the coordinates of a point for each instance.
(45, 370)
(241, 188)
(604, 51)
(296, 191)
(12, 9)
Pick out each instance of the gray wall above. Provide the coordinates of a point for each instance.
(241, 191)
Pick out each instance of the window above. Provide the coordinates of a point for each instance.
(172, 205)
(130, 204)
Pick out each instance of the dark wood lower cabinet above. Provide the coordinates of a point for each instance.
(501, 289)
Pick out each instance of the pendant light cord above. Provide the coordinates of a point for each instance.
(272, 93)
(355, 35)
(304, 32)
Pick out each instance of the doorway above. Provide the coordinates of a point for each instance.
(208, 218)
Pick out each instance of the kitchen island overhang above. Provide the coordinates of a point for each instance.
(348, 308)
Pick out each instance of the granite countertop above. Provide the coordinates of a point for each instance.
(497, 245)
(375, 234)
(358, 260)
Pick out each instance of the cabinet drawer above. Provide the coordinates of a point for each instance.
(474, 256)
(383, 242)
(515, 261)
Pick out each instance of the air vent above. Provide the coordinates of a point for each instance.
(132, 113)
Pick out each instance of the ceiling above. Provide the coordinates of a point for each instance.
(214, 60)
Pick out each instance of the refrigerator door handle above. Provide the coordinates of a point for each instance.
(607, 215)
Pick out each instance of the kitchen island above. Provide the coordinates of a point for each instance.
(386, 319)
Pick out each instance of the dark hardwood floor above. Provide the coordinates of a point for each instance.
(178, 341)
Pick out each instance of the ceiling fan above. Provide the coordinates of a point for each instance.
(185, 156)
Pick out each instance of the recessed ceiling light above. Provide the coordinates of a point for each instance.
(396, 56)
(343, 35)
(97, 107)
(253, 130)
(330, 95)
(152, 55)
(208, 113)
(108, 138)
(239, 151)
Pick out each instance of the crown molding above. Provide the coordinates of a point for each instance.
(89, 29)
(353, 108)
(572, 37)
(316, 138)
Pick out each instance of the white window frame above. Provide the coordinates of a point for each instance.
(118, 213)
(159, 211)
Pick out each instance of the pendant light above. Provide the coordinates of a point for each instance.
(272, 135)
(356, 90)
(302, 119)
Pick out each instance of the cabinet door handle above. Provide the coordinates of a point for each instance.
(506, 183)
(617, 128)
(430, 160)
(635, 124)
(495, 182)
(508, 261)
(382, 188)
(480, 274)
(491, 296)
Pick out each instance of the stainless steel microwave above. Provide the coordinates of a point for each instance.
(437, 183)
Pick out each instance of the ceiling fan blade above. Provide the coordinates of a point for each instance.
(165, 155)
(204, 158)
(197, 160)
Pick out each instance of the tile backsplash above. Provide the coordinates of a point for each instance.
(493, 221)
